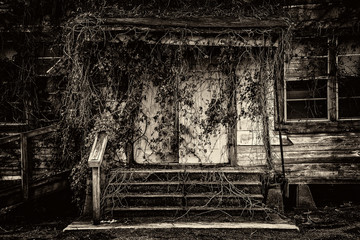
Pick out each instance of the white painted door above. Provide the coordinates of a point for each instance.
(183, 132)
(202, 140)
(155, 143)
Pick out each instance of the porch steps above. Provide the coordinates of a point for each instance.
(178, 192)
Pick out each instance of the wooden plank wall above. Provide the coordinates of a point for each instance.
(10, 161)
(42, 153)
(323, 158)
(42, 149)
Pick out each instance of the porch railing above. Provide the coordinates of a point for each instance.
(24, 154)
(95, 161)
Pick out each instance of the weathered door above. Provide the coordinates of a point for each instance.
(203, 138)
(187, 125)
(157, 141)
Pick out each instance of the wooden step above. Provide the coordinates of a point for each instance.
(188, 186)
(177, 191)
(179, 200)
(254, 226)
(205, 175)
(244, 213)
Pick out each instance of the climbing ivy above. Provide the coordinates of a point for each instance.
(108, 75)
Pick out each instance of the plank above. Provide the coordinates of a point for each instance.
(8, 162)
(204, 195)
(98, 150)
(232, 128)
(96, 195)
(10, 178)
(40, 143)
(323, 171)
(314, 180)
(191, 182)
(331, 154)
(41, 131)
(196, 22)
(187, 208)
(304, 147)
(25, 171)
(325, 138)
(184, 225)
(301, 148)
(320, 127)
(253, 138)
(8, 139)
(189, 170)
(319, 160)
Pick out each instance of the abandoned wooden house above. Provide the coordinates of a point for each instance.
(177, 110)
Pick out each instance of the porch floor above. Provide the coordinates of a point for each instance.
(276, 225)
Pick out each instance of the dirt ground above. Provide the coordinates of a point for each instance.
(340, 222)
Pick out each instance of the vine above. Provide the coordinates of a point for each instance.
(111, 75)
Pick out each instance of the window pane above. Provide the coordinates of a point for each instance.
(306, 89)
(349, 97)
(349, 108)
(307, 109)
(310, 47)
(304, 68)
(349, 65)
(12, 112)
(349, 87)
(348, 45)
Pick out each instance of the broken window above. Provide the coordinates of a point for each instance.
(12, 109)
(348, 63)
(308, 80)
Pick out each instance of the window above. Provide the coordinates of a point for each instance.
(315, 65)
(12, 110)
(348, 75)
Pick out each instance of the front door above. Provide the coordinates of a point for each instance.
(203, 137)
(182, 122)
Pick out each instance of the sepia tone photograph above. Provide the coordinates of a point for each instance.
(180, 119)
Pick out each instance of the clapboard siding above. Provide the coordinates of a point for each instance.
(324, 157)
(323, 172)
(312, 158)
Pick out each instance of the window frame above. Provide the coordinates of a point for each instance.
(333, 123)
(327, 78)
(338, 118)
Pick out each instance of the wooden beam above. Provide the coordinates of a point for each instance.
(96, 195)
(41, 131)
(197, 22)
(9, 139)
(232, 129)
(95, 160)
(185, 225)
(98, 150)
(321, 127)
(25, 178)
(28, 134)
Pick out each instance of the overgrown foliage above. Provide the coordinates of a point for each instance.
(111, 77)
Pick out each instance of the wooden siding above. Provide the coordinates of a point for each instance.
(312, 158)
(43, 152)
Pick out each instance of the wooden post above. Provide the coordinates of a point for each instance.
(24, 166)
(95, 160)
(96, 195)
(232, 128)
